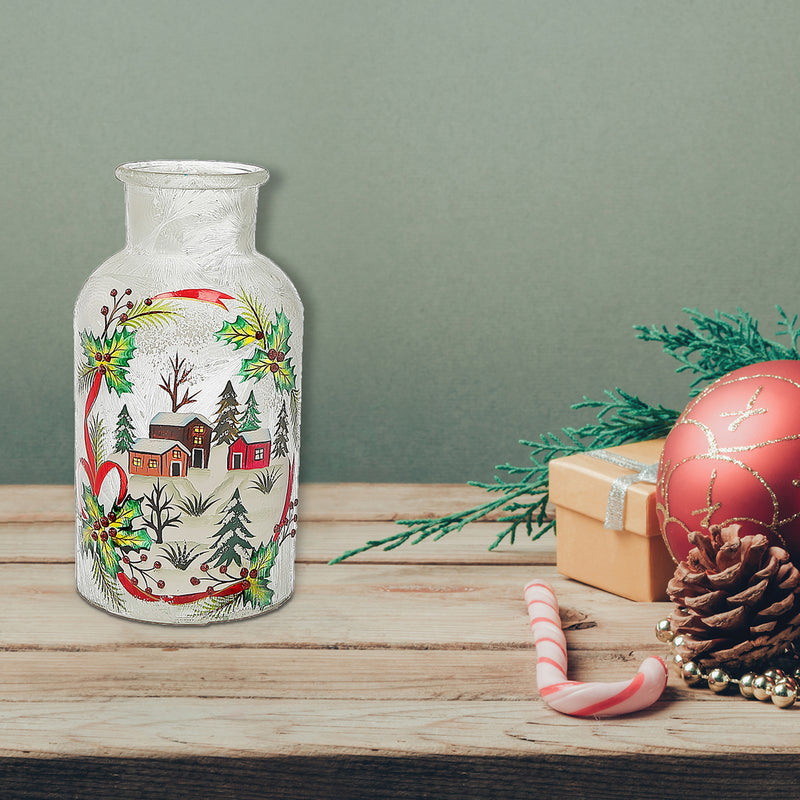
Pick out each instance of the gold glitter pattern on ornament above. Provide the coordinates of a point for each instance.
(741, 416)
(709, 507)
(714, 452)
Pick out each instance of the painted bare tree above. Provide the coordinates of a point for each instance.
(160, 506)
(171, 383)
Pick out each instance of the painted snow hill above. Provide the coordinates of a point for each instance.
(187, 488)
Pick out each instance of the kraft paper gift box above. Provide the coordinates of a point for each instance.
(632, 562)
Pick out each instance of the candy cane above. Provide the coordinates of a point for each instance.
(573, 697)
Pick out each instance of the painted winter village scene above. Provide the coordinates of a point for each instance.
(187, 485)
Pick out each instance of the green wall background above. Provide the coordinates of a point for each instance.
(476, 200)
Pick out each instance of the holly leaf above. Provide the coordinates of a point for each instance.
(109, 557)
(258, 593)
(256, 367)
(263, 559)
(91, 507)
(138, 540)
(284, 377)
(261, 365)
(129, 510)
(90, 345)
(110, 357)
(279, 333)
(239, 333)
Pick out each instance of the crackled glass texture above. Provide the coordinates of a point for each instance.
(187, 405)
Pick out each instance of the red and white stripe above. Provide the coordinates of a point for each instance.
(573, 697)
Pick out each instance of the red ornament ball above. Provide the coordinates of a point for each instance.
(733, 456)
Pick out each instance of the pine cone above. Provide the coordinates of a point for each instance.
(737, 600)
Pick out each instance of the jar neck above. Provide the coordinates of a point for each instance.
(194, 222)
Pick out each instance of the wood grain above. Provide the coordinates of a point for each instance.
(317, 543)
(354, 502)
(366, 606)
(402, 674)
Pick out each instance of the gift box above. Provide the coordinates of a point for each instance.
(610, 487)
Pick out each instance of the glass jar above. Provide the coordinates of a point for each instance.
(187, 405)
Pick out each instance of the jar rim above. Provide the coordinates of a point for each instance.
(191, 174)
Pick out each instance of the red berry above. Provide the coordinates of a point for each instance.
(102, 370)
(210, 590)
(253, 573)
(160, 584)
(127, 291)
(148, 589)
(96, 525)
(126, 560)
(103, 537)
(112, 516)
(245, 584)
(113, 292)
(223, 569)
(273, 367)
(106, 357)
(143, 556)
(123, 317)
(204, 567)
(259, 335)
(148, 301)
(276, 529)
(135, 581)
(293, 532)
(272, 353)
(98, 356)
(195, 580)
(243, 572)
(281, 355)
(104, 310)
(157, 564)
(129, 304)
(94, 536)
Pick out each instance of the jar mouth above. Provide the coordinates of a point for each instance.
(188, 174)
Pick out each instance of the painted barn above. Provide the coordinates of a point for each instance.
(162, 457)
(193, 431)
(250, 450)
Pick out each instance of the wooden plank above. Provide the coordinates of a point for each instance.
(365, 606)
(25, 503)
(308, 674)
(321, 674)
(144, 727)
(360, 502)
(317, 543)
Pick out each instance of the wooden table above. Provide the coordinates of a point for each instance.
(401, 674)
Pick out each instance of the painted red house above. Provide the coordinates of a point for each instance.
(250, 450)
(193, 431)
(162, 457)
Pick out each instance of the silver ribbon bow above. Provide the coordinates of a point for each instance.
(615, 508)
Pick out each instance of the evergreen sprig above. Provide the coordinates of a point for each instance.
(716, 345)
(721, 343)
(621, 418)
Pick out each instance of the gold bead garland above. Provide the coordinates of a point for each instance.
(773, 684)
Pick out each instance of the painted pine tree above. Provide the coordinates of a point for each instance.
(226, 424)
(250, 420)
(123, 434)
(280, 446)
(230, 540)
